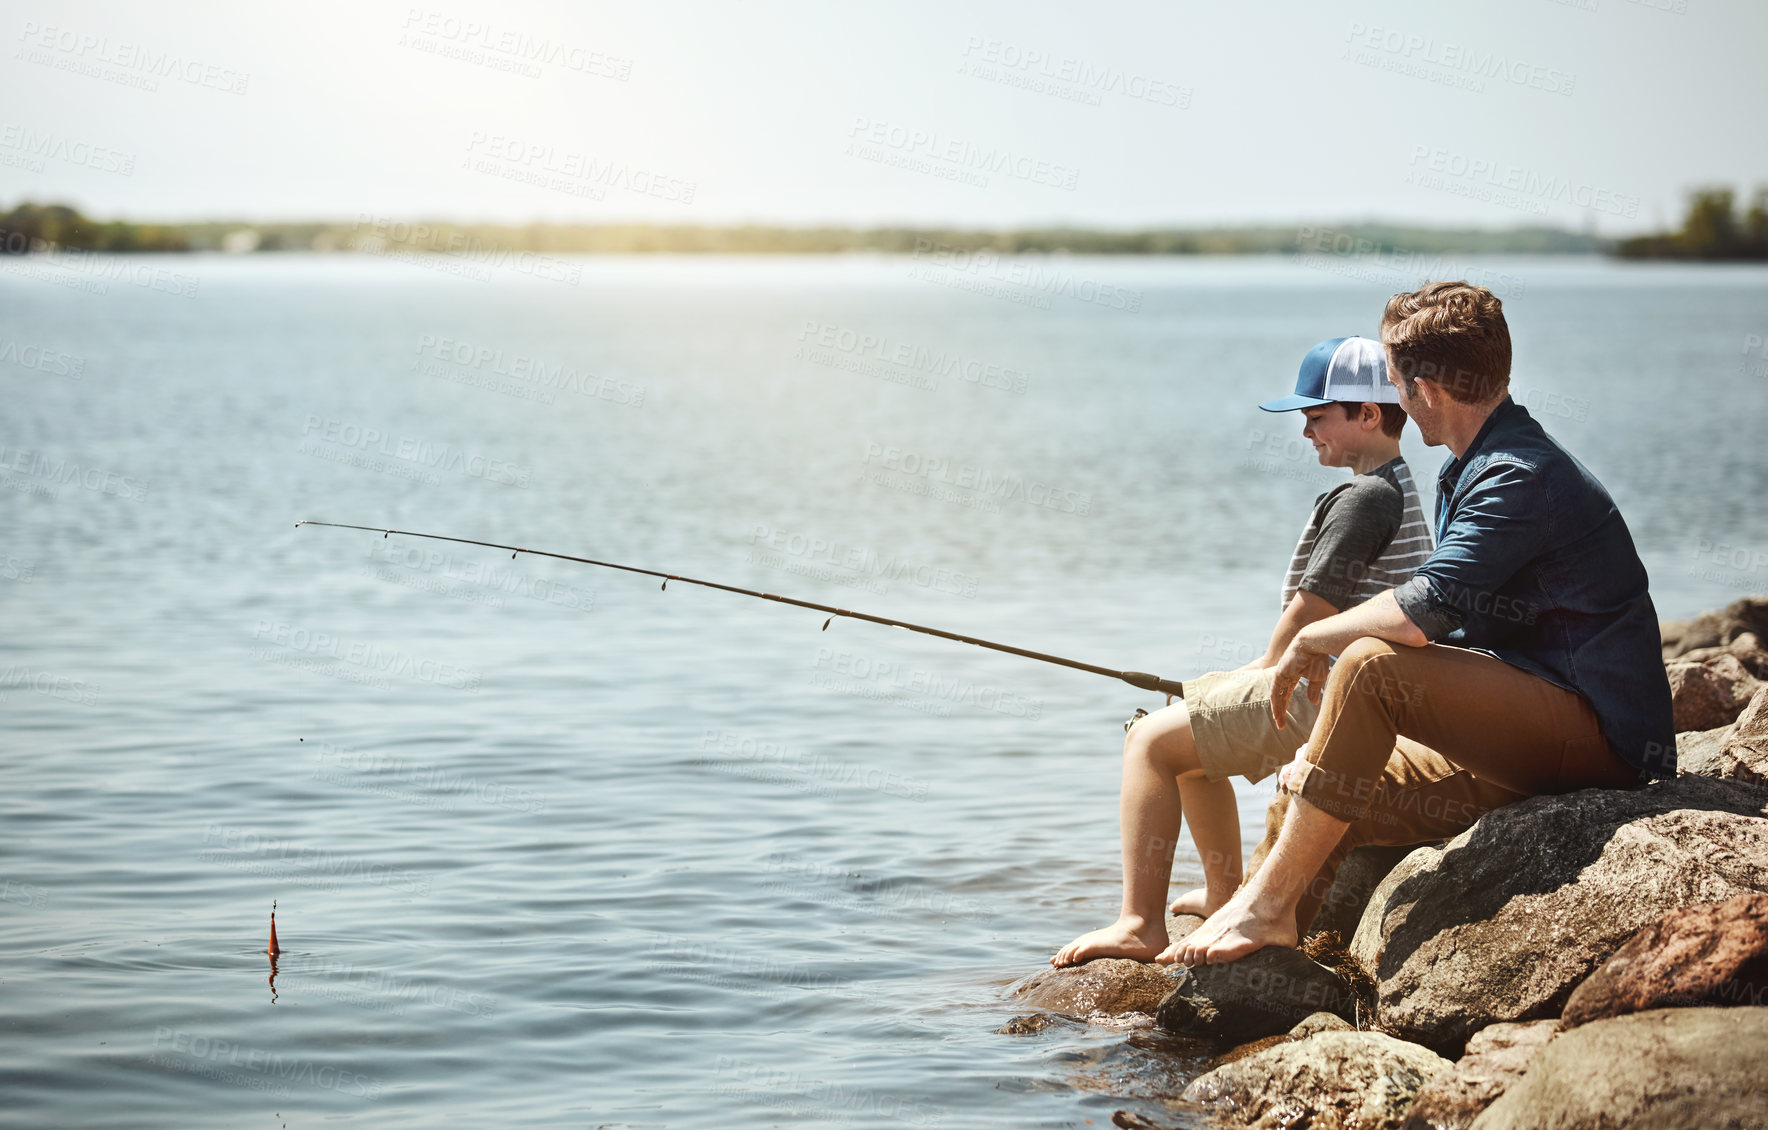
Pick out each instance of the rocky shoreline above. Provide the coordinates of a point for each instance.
(1596, 959)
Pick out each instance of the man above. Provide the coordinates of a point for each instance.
(1522, 658)
(1362, 537)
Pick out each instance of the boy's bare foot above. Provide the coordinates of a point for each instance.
(1230, 933)
(1127, 937)
(1198, 902)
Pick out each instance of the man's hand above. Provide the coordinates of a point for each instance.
(1300, 661)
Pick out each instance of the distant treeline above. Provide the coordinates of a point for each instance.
(26, 225)
(1712, 230)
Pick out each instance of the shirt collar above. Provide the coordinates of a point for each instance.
(1451, 472)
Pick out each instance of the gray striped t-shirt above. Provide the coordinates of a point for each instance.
(1363, 536)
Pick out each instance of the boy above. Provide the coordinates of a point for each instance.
(1361, 538)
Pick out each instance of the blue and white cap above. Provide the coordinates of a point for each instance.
(1342, 368)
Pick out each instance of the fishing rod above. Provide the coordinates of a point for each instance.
(1141, 680)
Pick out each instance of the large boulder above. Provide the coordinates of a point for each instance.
(1496, 1058)
(1503, 922)
(1713, 629)
(1705, 695)
(1699, 752)
(1328, 1081)
(1714, 954)
(1358, 876)
(1668, 1069)
(1265, 993)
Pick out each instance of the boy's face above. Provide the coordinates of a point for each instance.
(1336, 436)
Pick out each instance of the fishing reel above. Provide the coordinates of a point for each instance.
(1137, 717)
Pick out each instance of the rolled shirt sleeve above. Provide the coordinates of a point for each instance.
(1497, 526)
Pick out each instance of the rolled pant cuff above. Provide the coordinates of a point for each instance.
(1339, 796)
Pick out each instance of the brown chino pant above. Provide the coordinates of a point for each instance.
(1414, 744)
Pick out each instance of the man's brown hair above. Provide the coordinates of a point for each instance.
(1393, 417)
(1452, 333)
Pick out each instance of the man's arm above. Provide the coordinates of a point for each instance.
(1380, 616)
(1305, 609)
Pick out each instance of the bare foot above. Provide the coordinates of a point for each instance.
(1230, 933)
(1197, 902)
(1127, 937)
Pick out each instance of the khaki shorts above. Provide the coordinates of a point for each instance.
(1232, 728)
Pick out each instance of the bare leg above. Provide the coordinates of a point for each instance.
(1155, 752)
(1215, 829)
(1262, 913)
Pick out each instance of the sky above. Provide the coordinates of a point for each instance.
(1588, 114)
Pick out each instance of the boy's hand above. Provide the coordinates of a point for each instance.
(1299, 662)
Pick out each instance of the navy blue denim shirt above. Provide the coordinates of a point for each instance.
(1534, 565)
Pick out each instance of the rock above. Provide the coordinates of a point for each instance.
(1496, 1058)
(1030, 1023)
(1365, 1080)
(1503, 922)
(1715, 954)
(1713, 629)
(1744, 754)
(1698, 752)
(1108, 985)
(1320, 1022)
(1358, 876)
(1705, 695)
(1667, 1069)
(1265, 993)
(1747, 648)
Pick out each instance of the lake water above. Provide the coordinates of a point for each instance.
(551, 847)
